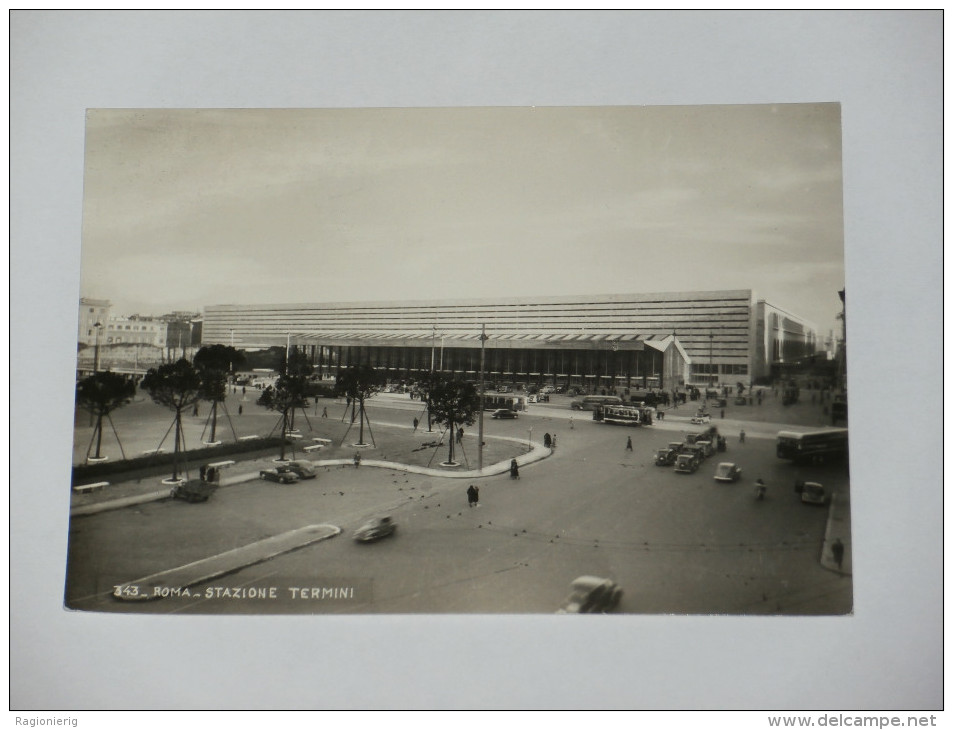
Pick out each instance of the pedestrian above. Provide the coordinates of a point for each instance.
(837, 549)
(514, 470)
(357, 459)
(239, 409)
(324, 413)
(459, 435)
(416, 423)
(547, 440)
(628, 444)
(661, 415)
(243, 390)
(203, 470)
(570, 423)
(741, 436)
(473, 495)
(195, 409)
(554, 441)
(722, 412)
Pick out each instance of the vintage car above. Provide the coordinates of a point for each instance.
(727, 472)
(706, 446)
(275, 475)
(304, 469)
(665, 456)
(687, 463)
(375, 529)
(592, 595)
(814, 493)
(505, 413)
(701, 418)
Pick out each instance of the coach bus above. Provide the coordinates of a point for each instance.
(622, 415)
(590, 402)
(816, 446)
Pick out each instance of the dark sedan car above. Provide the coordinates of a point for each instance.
(505, 413)
(375, 529)
(274, 475)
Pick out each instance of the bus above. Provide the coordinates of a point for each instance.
(812, 446)
(622, 415)
(492, 402)
(590, 402)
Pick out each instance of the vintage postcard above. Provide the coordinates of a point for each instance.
(462, 360)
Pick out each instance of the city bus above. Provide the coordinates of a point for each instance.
(816, 446)
(492, 402)
(622, 415)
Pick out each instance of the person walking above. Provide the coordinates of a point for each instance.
(514, 470)
(554, 441)
(239, 409)
(547, 440)
(416, 423)
(357, 459)
(570, 423)
(837, 549)
(324, 413)
(628, 444)
(741, 436)
(473, 496)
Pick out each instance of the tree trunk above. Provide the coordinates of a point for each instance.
(450, 460)
(178, 436)
(284, 430)
(99, 433)
(361, 439)
(214, 419)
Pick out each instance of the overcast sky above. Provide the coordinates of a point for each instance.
(187, 208)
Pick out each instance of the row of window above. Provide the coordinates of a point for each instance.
(723, 368)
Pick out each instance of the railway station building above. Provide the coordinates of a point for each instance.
(666, 340)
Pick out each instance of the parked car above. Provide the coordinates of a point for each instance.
(274, 475)
(592, 595)
(665, 457)
(547, 389)
(699, 418)
(814, 493)
(375, 529)
(727, 472)
(505, 413)
(304, 469)
(706, 446)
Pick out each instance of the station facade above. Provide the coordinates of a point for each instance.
(665, 340)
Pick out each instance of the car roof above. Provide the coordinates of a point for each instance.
(728, 464)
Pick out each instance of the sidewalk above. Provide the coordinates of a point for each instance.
(838, 527)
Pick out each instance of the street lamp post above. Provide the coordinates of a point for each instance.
(99, 329)
(482, 394)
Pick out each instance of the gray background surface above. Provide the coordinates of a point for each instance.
(885, 68)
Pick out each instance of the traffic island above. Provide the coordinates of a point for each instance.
(177, 581)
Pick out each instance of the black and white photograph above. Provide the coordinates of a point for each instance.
(355, 354)
(475, 360)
